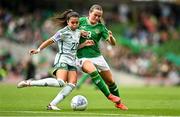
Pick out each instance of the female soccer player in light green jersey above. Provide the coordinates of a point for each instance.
(97, 31)
(65, 69)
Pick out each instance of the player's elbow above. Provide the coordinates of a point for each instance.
(112, 42)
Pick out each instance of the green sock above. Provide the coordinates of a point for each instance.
(114, 89)
(99, 82)
(82, 80)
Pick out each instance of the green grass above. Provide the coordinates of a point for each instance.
(144, 101)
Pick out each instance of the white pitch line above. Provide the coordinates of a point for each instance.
(70, 113)
(81, 113)
(59, 112)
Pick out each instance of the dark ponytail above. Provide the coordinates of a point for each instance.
(60, 20)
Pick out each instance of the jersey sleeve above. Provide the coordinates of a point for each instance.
(56, 37)
(105, 33)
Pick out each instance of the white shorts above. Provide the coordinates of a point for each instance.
(99, 62)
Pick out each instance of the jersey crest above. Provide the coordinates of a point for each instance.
(97, 31)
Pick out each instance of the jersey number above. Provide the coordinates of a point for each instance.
(89, 35)
(74, 46)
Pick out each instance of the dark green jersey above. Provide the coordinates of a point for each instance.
(96, 32)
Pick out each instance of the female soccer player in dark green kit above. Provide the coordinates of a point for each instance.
(96, 31)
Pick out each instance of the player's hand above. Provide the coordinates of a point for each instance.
(84, 33)
(110, 33)
(111, 39)
(33, 51)
(86, 43)
(89, 43)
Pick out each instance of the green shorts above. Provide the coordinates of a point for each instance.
(63, 66)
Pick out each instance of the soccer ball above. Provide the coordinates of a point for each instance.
(79, 103)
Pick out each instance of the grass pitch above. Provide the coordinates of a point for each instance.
(142, 101)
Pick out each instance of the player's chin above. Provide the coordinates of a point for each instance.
(74, 28)
(95, 21)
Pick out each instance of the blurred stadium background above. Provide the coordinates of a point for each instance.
(147, 32)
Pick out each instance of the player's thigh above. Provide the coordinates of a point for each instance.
(107, 76)
(100, 63)
(62, 74)
(88, 67)
(72, 77)
(85, 65)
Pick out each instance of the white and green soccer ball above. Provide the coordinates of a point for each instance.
(79, 103)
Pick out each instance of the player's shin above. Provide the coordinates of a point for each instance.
(63, 93)
(51, 82)
(99, 82)
(82, 80)
(114, 89)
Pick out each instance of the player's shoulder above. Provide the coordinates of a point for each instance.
(101, 24)
(83, 19)
(63, 30)
(78, 30)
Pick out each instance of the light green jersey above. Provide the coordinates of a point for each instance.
(96, 32)
(68, 42)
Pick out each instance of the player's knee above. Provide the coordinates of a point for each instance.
(109, 82)
(88, 67)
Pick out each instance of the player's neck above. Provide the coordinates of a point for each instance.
(90, 22)
(71, 28)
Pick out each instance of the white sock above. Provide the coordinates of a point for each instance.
(63, 93)
(52, 82)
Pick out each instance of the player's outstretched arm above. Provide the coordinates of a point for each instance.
(86, 43)
(111, 38)
(42, 46)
